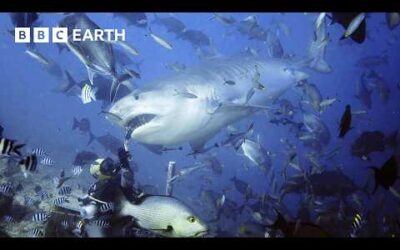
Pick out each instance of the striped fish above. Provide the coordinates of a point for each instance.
(28, 164)
(36, 233)
(80, 224)
(65, 190)
(65, 224)
(8, 219)
(39, 152)
(47, 161)
(356, 225)
(88, 94)
(100, 223)
(60, 200)
(8, 146)
(107, 207)
(6, 189)
(40, 217)
(28, 201)
(78, 230)
(77, 170)
(43, 195)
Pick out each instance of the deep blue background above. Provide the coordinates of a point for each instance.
(32, 112)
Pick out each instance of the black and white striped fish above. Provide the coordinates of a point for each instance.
(60, 200)
(88, 94)
(40, 217)
(107, 207)
(36, 232)
(80, 224)
(78, 230)
(65, 190)
(47, 161)
(100, 223)
(39, 152)
(77, 170)
(28, 164)
(64, 224)
(8, 219)
(43, 195)
(28, 201)
(9, 146)
(6, 189)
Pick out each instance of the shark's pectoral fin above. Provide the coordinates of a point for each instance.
(156, 149)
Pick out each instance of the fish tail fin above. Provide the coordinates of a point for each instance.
(71, 81)
(17, 148)
(114, 89)
(279, 219)
(75, 124)
(331, 18)
(213, 17)
(92, 137)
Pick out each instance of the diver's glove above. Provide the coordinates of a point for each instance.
(123, 156)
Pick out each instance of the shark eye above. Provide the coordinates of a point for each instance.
(191, 219)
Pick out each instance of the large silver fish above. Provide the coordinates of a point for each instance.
(156, 115)
(316, 51)
(97, 56)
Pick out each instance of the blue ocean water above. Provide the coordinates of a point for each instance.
(34, 111)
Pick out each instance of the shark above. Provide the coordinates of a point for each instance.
(158, 114)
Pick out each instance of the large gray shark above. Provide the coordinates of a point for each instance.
(194, 105)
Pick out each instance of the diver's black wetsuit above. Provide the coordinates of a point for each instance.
(107, 190)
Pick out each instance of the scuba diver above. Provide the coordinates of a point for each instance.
(112, 178)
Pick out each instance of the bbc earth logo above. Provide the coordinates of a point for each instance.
(61, 35)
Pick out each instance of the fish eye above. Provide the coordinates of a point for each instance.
(191, 219)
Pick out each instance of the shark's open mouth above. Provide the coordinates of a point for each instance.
(139, 120)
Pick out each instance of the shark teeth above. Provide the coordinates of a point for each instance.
(139, 121)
